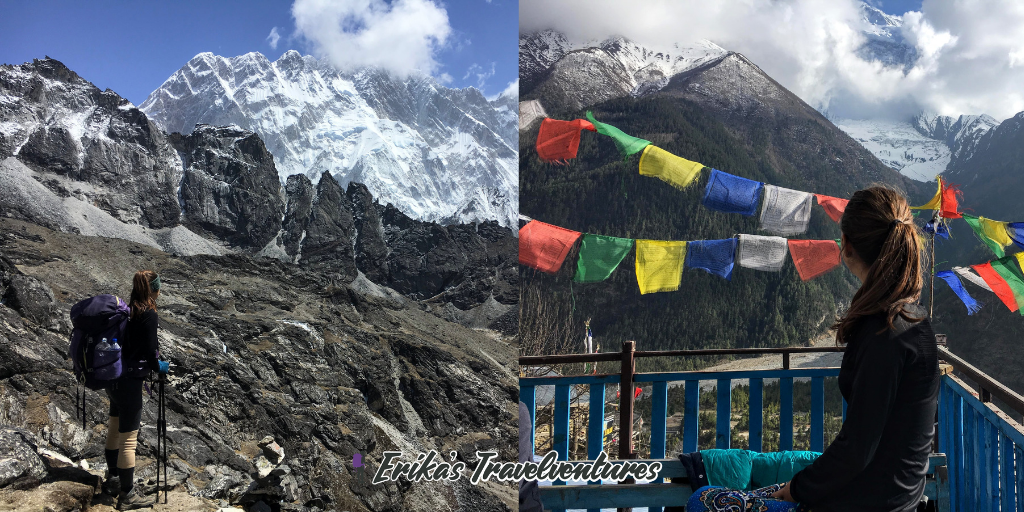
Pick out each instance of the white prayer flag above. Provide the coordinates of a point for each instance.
(758, 252)
(785, 212)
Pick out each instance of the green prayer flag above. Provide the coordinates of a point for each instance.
(627, 144)
(979, 229)
(1012, 275)
(600, 256)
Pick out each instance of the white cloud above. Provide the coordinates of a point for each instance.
(273, 38)
(402, 37)
(511, 90)
(481, 73)
(971, 54)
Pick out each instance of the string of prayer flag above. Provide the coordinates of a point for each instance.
(972, 277)
(715, 257)
(997, 284)
(544, 246)
(935, 203)
(600, 256)
(558, 141)
(958, 288)
(1015, 230)
(785, 212)
(627, 144)
(767, 253)
(991, 232)
(659, 265)
(732, 194)
(676, 171)
(833, 206)
(813, 258)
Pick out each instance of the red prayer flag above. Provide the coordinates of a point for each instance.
(950, 194)
(638, 392)
(833, 206)
(998, 285)
(814, 257)
(558, 141)
(543, 246)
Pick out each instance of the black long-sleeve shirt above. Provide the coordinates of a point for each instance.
(879, 459)
(142, 344)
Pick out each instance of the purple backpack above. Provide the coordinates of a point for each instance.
(97, 318)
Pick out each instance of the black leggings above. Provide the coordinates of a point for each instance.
(126, 403)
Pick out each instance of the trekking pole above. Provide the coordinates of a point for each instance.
(162, 434)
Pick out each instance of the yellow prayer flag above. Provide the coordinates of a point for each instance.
(1020, 260)
(995, 230)
(935, 203)
(674, 170)
(659, 265)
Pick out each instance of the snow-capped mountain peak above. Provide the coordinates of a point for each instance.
(423, 147)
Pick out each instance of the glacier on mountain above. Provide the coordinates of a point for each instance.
(435, 153)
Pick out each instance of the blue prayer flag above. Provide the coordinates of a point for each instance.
(943, 231)
(732, 194)
(713, 256)
(1016, 232)
(958, 288)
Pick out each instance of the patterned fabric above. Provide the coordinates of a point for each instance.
(732, 194)
(813, 258)
(600, 256)
(626, 144)
(659, 265)
(785, 212)
(712, 256)
(676, 171)
(758, 252)
(558, 141)
(720, 499)
(544, 247)
(958, 288)
(833, 206)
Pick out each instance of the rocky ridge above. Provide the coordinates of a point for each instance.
(423, 147)
(216, 191)
(258, 348)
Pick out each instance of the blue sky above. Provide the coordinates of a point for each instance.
(132, 47)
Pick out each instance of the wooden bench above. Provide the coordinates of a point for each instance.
(657, 495)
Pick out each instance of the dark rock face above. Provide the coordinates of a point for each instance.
(230, 189)
(266, 348)
(371, 247)
(65, 127)
(330, 230)
(299, 192)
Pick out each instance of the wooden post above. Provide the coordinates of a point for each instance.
(626, 400)
(785, 360)
(626, 406)
(931, 288)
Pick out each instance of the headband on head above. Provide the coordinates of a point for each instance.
(154, 285)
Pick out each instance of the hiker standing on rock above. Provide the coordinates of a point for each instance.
(126, 392)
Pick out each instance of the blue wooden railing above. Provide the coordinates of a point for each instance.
(985, 448)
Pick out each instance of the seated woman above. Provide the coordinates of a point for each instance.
(890, 371)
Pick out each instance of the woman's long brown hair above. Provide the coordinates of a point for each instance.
(143, 297)
(880, 229)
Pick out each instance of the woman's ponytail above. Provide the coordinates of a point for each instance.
(879, 227)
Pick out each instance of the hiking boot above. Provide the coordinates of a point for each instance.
(112, 486)
(134, 499)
